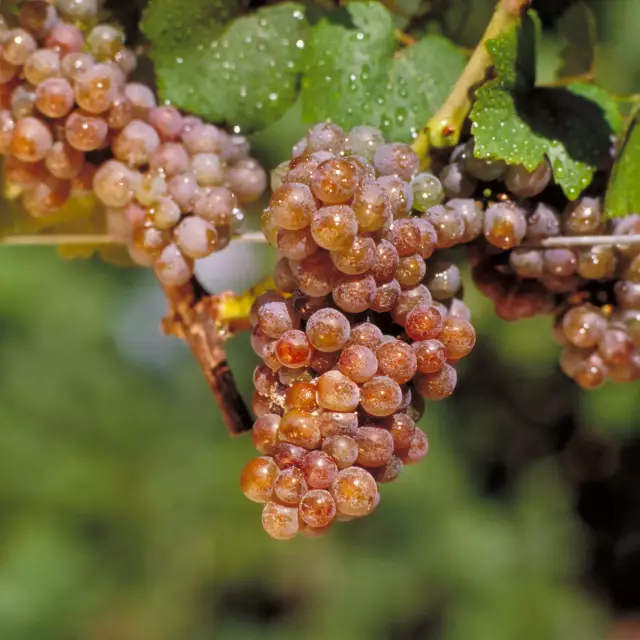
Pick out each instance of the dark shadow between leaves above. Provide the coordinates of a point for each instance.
(558, 114)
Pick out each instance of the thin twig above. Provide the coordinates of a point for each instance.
(192, 317)
(585, 241)
(51, 239)
(444, 128)
(46, 239)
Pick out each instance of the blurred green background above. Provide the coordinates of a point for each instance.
(121, 516)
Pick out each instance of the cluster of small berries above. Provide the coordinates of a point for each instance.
(72, 123)
(594, 290)
(358, 334)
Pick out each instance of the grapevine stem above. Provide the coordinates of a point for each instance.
(585, 241)
(444, 128)
(193, 318)
(45, 239)
(50, 239)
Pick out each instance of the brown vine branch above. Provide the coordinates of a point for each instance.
(444, 128)
(192, 317)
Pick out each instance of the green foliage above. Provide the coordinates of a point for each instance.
(244, 73)
(119, 488)
(578, 27)
(246, 70)
(522, 124)
(623, 190)
(354, 75)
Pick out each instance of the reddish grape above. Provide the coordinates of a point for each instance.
(257, 478)
(423, 322)
(334, 227)
(296, 245)
(289, 455)
(436, 386)
(299, 428)
(320, 470)
(196, 237)
(358, 363)
(317, 508)
(418, 448)
(399, 193)
(65, 38)
(386, 296)
(31, 140)
(328, 330)
(338, 423)
(292, 206)
(354, 294)
(386, 262)
(396, 159)
(293, 349)
(173, 268)
(336, 392)
(381, 396)
(430, 355)
(301, 395)
(317, 275)
(334, 181)
(584, 326)
(290, 486)
(354, 491)
(458, 338)
(375, 446)
(397, 360)
(358, 258)
(401, 427)
(342, 449)
(136, 143)
(85, 132)
(371, 206)
(408, 300)
(17, 46)
(280, 522)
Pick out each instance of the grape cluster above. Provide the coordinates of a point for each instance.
(359, 331)
(174, 188)
(72, 123)
(593, 290)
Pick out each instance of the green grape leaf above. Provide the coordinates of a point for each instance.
(169, 24)
(623, 190)
(578, 27)
(522, 124)
(244, 72)
(354, 75)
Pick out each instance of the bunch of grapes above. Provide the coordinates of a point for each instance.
(174, 189)
(359, 331)
(71, 123)
(594, 290)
